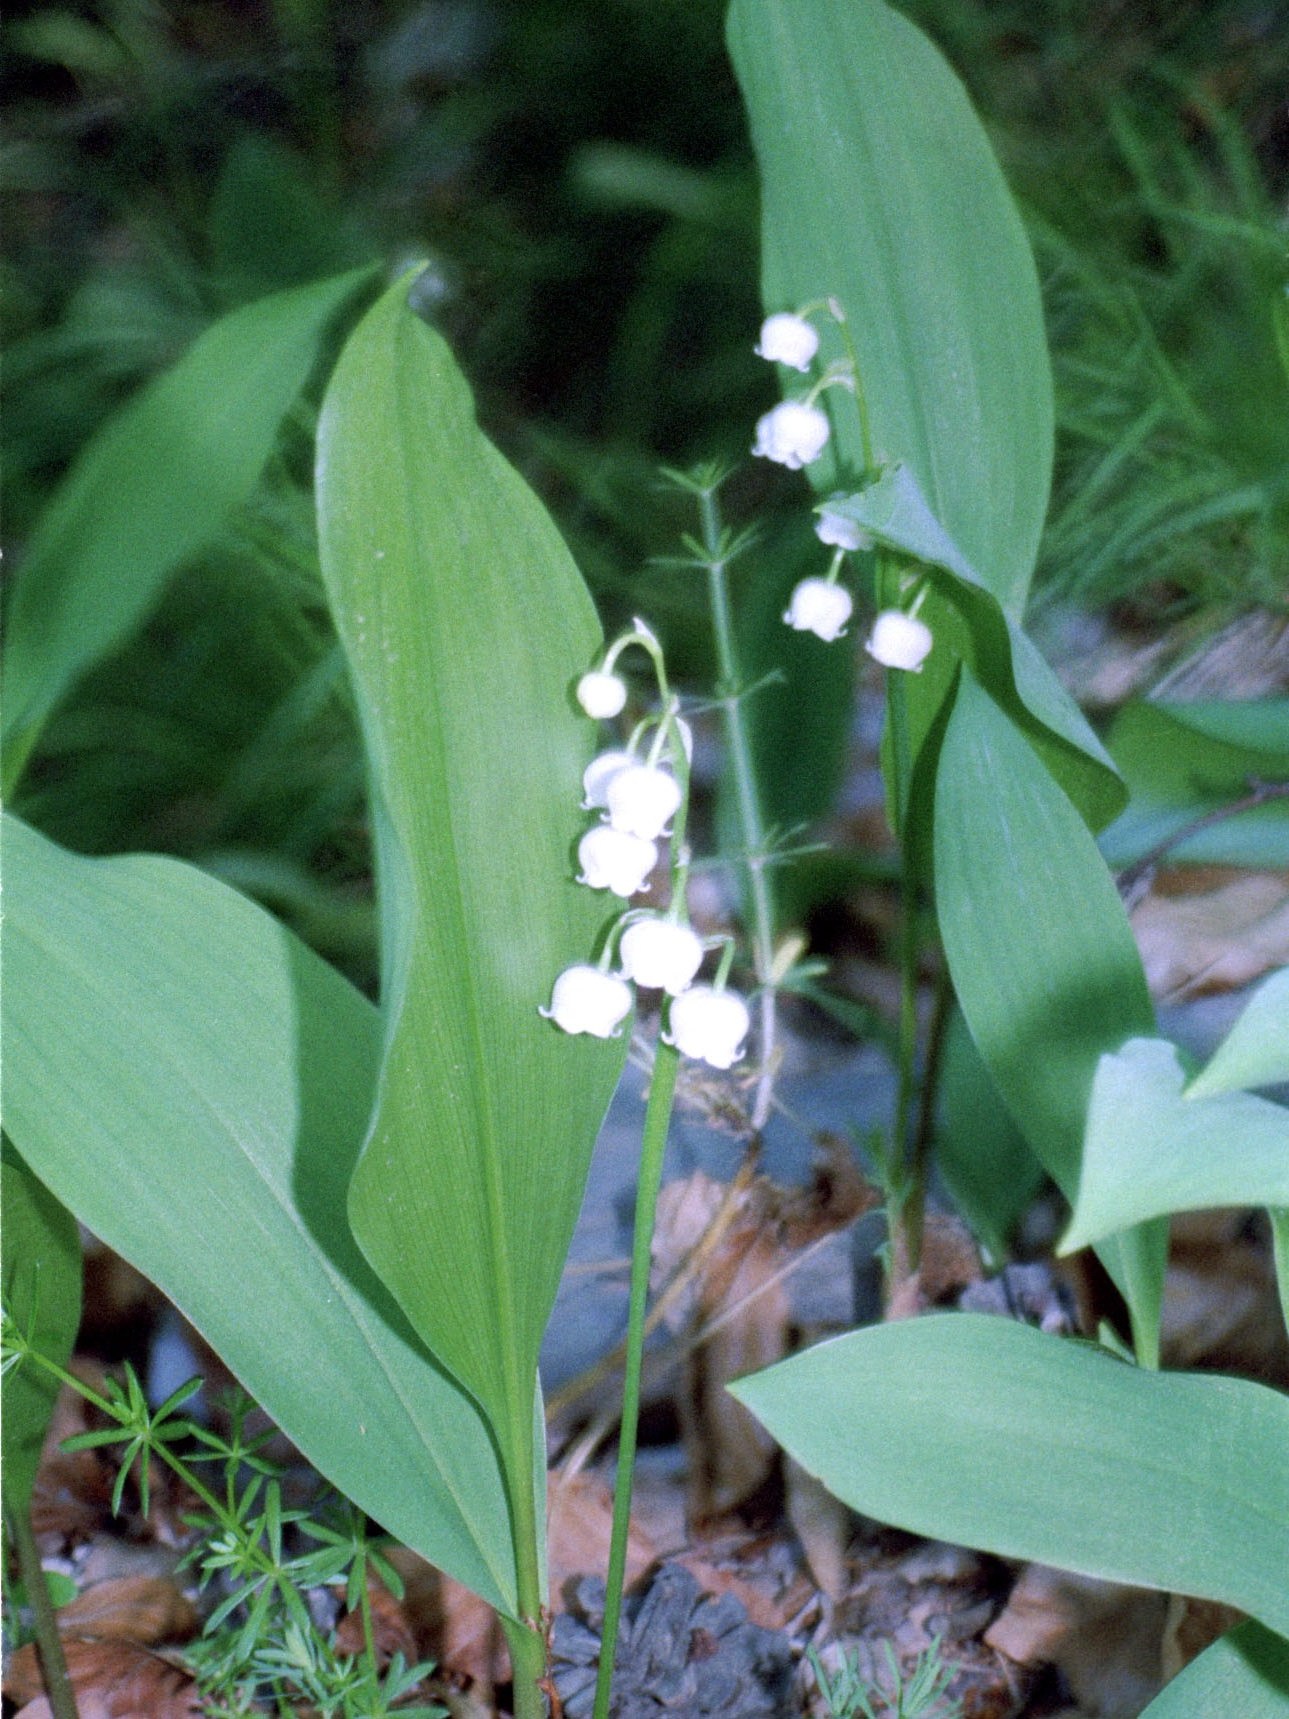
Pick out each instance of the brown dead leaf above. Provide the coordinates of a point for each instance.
(950, 1263)
(391, 1631)
(1221, 1305)
(1191, 1626)
(822, 1524)
(1217, 939)
(1105, 1637)
(117, 1680)
(580, 1524)
(146, 1610)
(451, 1625)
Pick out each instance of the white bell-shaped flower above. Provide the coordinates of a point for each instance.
(660, 954)
(838, 531)
(899, 641)
(787, 339)
(708, 1024)
(585, 1000)
(598, 774)
(821, 607)
(601, 694)
(792, 434)
(641, 799)
(616, 860)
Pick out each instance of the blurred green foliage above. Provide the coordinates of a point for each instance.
(579, 176)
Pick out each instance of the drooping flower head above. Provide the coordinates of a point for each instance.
(660, 954)
(787, 339)
(899, 641)
(821, 607)
(598, 774)
(709, 1024)
(585, 1000)
(792, 434)
(839, 531)
(601, 695)
(615, 860)
(641, 798)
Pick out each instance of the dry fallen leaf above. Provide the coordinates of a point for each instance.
(580, 1523)
(1212, 930)
(1103, 1636)
(117, 1680)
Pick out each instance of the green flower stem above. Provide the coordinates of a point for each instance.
(53, 1663)
(662, 1091)
(747, 796)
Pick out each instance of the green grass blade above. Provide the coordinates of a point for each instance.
(151, 489)
(194, 1084)
(1041, 954)
(991, 1434)
(465, 623)
(42, 1295)
(1150, 1148)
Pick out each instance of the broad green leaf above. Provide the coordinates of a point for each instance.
(151, 489)
(985, 1161)
(1279, 1217)
(194, 1084)
(42, 1295)
(981, 1431)
(1150, 1149)
(1004, 659)
(1246, 1672)
(1043, 961)
(1184, 761)
(465, 623)
(1256, 1050)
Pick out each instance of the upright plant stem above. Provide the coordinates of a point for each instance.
(747, 796)
(662, 1091)
(528, 1667)
(58, 1687)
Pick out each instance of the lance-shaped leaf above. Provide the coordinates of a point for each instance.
(465, 622)
(894, 510)
(42, 1296)
(194, 1084)
(152, 488)
(1149, 1148)
(1245, 1672)
(1042, 957)
(1256, 1050)
(981, 1431)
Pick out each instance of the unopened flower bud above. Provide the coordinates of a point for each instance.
(585, 1000)
(614, 859)
(708, 1024)
(787, 339)
(899, 641)
(598, 774)
(819, 607)
(838, 531)
(792, 434)
(641, 799)
(600, 694)
(660, 954)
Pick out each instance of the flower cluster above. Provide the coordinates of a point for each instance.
(641, 798)
(794, 434)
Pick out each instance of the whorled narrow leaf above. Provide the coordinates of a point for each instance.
(1041, 954)
(1246, 1672)
(1150, 1147)
(152, 488)
(194, 1084)
(465, 623)
(1005, 660)
(988, 1433)
(42, 1296)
